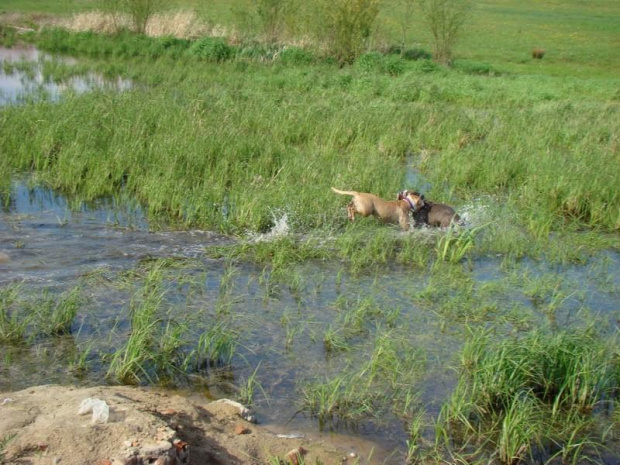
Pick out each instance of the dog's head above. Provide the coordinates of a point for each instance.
(415, 199)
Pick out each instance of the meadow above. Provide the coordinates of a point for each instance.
(237, 137)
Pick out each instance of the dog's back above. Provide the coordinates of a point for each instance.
(436, 215)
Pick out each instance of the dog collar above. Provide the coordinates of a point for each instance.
(410, 203)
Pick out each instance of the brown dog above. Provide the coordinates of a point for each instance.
(388, 211)
(431, 213)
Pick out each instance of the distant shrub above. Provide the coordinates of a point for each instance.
(393, 65)
(416, 54)
(296, 56)
(370, 61)
(445, 20)
(375, 61)
(428, 66)
(344, 26)
(211, 49)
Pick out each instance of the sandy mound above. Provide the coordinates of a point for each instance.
(42, 426)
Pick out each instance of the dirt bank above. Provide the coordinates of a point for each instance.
(42, 426)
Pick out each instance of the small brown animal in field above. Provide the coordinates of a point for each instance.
(388, 211)
(538, 53)
(431, 213)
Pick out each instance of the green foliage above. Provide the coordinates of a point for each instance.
(54, 314)
(445, 20)
(473, 67)
(416, 54)
(456, 243)
(122, 45)
(345, 26)
(12, 325)
(272, 17)
(211, 49)
(296, 56)
(522, 391)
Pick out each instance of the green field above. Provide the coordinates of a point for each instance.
(580, 38)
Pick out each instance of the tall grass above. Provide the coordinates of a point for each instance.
(12, 324)
(54, 314)
(170, 150)
(530, 393)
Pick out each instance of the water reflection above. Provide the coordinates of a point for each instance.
(22, 78)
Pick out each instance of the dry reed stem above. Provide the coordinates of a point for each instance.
(181, 24)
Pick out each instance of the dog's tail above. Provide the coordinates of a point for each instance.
(338, 191)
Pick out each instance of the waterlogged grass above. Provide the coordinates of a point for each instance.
(532, 394)
(205, 134)
(12, 326)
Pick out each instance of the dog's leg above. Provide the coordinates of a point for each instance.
(404, 222)
(351, 210)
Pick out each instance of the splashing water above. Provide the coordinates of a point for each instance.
(280, 229)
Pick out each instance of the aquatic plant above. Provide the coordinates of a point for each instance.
(12, 324)
(53, 314)
(216, 345)
(454, 245)
(518, 393)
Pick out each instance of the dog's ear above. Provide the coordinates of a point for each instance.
(401, 195)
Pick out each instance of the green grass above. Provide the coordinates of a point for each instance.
(531, 392)
(12, 324)
(579, 39)
(171, 151)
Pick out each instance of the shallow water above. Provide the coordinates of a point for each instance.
(107, 249)
(22, 79)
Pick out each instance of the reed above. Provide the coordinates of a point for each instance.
(525, 393)
(12, 324)
(54, 314)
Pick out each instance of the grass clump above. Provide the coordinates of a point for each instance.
(54, 314)
(12, 325)
(154, 347)
(211, 49)
(517, 394)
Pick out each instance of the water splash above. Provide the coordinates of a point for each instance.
(281, 228)
(476, 213)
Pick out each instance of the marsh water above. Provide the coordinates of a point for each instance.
(23, 77)
(50, 244)
(51, 248)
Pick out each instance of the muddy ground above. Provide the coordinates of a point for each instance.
(41, 425)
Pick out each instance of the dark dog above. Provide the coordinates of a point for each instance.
(431, 213)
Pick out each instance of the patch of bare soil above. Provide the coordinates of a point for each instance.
(41, 426)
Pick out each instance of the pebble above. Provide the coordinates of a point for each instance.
(241, 429)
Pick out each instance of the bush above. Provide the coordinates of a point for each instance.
(211, 49)
(370, 61)
(393, 65)
(427, 66)
(416, 54)
(296, 56)
(445, 20)
(375, 61)
(344, 26)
